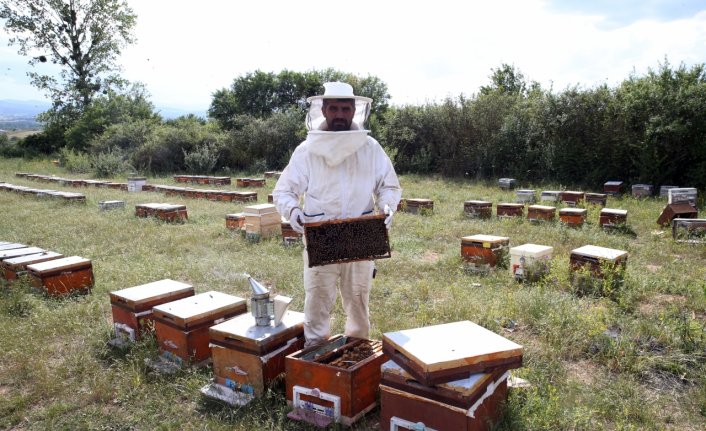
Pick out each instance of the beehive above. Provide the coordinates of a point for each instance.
(684, 194)
(597, 199)
(334, 382)
(16, 266)
(506, 209)
(262, 221)
(541, 213)
(247, 357)
(613, 187)
(132, 307)
(641, 190)
(682, 210)
(418, 206)
(525, 196)
(182, 326)
(549, 196)
(530, 261)
(507, 183)
(689, 230)
(611, 217)
(478, 209)
(593, 263)
(58, 277)
(572, 198)
(483, 252)
(442, 353)
(469, 404)
(573, 217)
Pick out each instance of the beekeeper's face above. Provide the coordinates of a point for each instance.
(338, 113)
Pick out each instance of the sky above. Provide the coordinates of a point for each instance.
(424, 51)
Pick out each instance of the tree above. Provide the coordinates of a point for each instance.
(83, 37)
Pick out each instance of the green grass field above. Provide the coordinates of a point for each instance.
(636, 361)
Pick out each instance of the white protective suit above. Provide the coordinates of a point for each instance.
(338, 178)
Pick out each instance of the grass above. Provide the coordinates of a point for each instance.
(636, 360)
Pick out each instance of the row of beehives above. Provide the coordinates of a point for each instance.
(531, 261)
(429, 375)
(65, 196)
(48, 271)
(72, 182)
(613, 187)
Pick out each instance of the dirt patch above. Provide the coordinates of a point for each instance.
(653, 268)
(584, 372)
(657, 303)
(430, 257)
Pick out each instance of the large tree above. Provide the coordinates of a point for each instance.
(83, 37)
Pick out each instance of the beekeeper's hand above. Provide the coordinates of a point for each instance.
(296, 220)
(389, 213)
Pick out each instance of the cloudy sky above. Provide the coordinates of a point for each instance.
(424, 51)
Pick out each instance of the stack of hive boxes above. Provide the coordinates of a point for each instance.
(262, 221)
(449, 377)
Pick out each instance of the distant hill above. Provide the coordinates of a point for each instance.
(21, 114)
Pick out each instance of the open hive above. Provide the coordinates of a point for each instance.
(347, 240)
(334, 382)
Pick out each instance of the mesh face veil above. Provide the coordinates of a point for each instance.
(315, 119)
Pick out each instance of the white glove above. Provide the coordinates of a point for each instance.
(296, 220)
(388, 219)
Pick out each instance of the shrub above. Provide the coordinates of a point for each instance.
(202, 160)
(109, 164)
(75, 162)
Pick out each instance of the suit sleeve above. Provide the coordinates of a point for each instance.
(291, 185)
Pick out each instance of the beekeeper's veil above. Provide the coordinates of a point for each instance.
(337, 90)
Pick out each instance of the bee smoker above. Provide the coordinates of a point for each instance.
(262, 306)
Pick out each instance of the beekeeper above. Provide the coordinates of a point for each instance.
(340, 172)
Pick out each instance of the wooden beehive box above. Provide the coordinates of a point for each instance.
(530, 261)
(469, 404)
(16, 266)
(573, 217)
(245, 196)
(181, 178)
(525, 196)
(478, 209)
(507, 183)
(172, 213)
(572, 198)
(540, 213)
(182, 326)
(132, 307)
(681, 210)
(482, 252)
(595, 259)
(235, 221)
(248, 357)
(71, 197)
(691, 230)
(18, 252)
(611, 217)
(323, 387)
(613, 187)
(58, 277)
(597, 199)
(288, 232)
(664, 190)
(549, 196)
(683, 194)
(11, 246)
(146, 210)
(109, 205)
(270, 198)
(641, 190)
(347, 240)
(418, 205)
(506, 209)
(451, 351)
(262, 221)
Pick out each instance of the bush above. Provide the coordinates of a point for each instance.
(75, 162)
(202, 160)
(110, 164)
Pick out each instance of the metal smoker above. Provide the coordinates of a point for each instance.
(263, 307)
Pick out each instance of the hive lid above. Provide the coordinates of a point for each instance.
(150, 291)
(16, 252)
(599, 252)
(11, 246)
(244, 329)
(577, 211)
(203, 304)
(32, 258)
(542, 207)
(531, 249)
(614, 211)
(442, 353)
(486, 238)
(63, 263)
